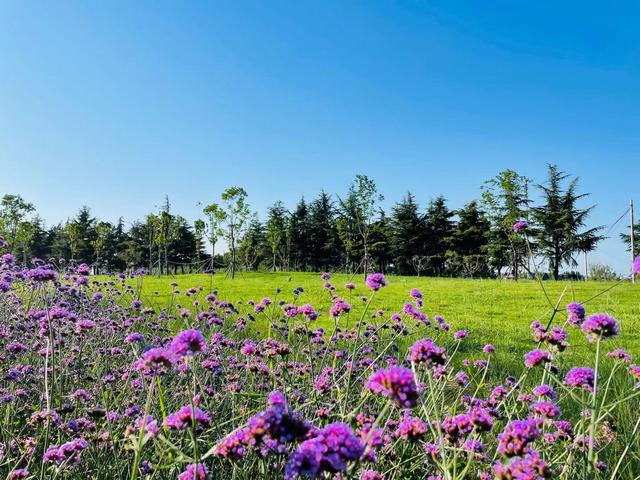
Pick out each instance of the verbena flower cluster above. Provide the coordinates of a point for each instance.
(98, 380)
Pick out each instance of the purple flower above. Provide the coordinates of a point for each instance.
(136, 304)
(600, 325)
(545, 409)
(67, 453)
(415, 293)
(411, 428)
(339, 307)
(488, 348)
(481, 418)
(376, 281)
(636, 266)
(41, 274)
(83, 269)
(396, 383)
(460, 334)
(536, 357)
(308, 311)
(575, 313)
(273, 426)
(426, 351)
(20, 472)
(330, 451)
(134, 338)
(545, 391)
(619, 354)
(634, 371)
(456, 428)
(516, 437)
(410, 310)
(529, 467)
(194, 472)
(188, 342)
(371, 475)
(581, 377)
(185, 417)
(520, 225)
(156, 361)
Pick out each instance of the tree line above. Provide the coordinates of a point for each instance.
(350, 233)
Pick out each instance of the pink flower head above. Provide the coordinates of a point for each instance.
(581, 377)
(520, 225)
(376, 281)
(600, 325)
(188, 342)
(396, 383)
(194, 472)
(536, 357)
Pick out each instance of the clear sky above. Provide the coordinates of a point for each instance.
(115, 104)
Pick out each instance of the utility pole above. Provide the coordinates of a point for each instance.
(633, 276)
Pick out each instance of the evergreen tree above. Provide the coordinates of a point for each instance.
(561, 222)
(182, 246)
(299, 236)
(81, 233)
(137, 249)
(409, 229)
(40, 246)
(253, 248)
(103, 234)
(626, 238)
(323, 237)
(468, 243)
(381, 243)
(60, 243)
(439, 228)
(115, 244)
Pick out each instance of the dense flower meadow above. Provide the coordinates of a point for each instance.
(94, 384)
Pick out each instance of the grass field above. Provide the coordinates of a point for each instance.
(255, 390)
(493, 311)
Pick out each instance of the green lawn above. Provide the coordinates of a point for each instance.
(493, 311)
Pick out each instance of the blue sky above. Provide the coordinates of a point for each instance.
(115, 104)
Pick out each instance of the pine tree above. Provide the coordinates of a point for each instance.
(561, 222)
(182, 245)
(409, 229)
(381, 243)
(468, 242)
(626, 238)
(299, 235)
(253, 248)
(323, 237)
(439, 228)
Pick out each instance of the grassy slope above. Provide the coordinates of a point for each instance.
(493, 311)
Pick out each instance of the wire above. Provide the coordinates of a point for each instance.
(616, 222)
